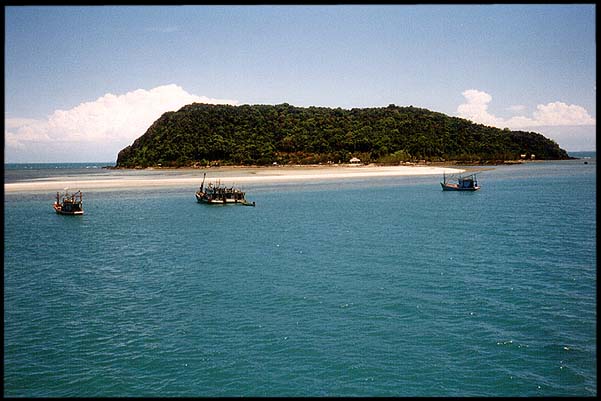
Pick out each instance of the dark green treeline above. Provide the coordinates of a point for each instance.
(201, 134)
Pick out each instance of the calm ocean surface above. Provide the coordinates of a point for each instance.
(379, 287)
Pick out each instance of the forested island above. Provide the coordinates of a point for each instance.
(206, 134)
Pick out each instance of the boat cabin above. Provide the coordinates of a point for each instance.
(467, 182)
(464, 183)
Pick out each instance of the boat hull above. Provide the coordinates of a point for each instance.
(59, 210)
(203, 198)
(455, 187)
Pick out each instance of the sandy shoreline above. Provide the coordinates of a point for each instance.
(228, 176)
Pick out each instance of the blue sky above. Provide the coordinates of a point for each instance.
(83, 82)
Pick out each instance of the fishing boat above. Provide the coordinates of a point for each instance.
(69, 204)
(218, 194)
(464, 183)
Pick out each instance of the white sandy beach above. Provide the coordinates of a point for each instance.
(228, 176)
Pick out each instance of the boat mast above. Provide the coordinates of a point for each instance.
(203, 182)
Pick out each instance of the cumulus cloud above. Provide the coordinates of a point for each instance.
(108, 122)
(476, 108)
(552, 114)
(559, 113)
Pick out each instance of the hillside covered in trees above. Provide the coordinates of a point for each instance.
(203, 134)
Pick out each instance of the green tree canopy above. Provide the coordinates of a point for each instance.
(262, 134)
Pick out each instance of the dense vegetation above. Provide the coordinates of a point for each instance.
(202, 134)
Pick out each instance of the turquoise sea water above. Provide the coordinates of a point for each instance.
(371, 287)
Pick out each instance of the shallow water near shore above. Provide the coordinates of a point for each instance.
(359, 287)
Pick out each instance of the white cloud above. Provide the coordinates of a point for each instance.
(551, 114)
(569, 125)
(476, 108)
(108, 123)
(18, 122)
(559, 113)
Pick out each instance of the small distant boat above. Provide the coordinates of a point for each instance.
(69, 204)
(464, 183)
(218, 194)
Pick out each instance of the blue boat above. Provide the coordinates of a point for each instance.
(464, 183)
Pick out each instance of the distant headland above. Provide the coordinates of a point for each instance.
(200, 135)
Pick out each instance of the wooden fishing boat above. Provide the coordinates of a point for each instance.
(218, 194)
(69, 204)
(464, 183)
